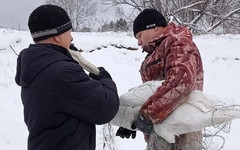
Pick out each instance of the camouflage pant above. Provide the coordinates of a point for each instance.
(189, 141)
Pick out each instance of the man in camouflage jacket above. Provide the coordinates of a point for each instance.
(171, 56)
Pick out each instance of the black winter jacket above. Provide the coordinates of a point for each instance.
(61, 103)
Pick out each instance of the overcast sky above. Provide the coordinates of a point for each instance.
(15, 13)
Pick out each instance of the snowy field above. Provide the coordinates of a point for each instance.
(220, 54)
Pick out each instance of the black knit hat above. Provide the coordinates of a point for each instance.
(47, 21)
(147, 19)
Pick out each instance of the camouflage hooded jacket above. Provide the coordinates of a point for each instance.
(173, 57)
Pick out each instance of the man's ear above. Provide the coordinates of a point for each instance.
(57, 38)
(158, 29)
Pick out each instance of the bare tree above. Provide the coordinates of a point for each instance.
(80, 11)
(201, 16)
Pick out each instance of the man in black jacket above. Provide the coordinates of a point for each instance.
(62, 104)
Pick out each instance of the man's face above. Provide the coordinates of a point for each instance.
(145, 36)
(65, 39)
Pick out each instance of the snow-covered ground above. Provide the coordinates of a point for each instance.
(220, 54)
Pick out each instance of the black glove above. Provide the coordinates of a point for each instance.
(143, 124)
(72, 47)
(102, 74)
(125, 133)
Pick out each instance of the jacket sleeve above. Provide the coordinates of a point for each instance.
(180, 79)
(93, 101)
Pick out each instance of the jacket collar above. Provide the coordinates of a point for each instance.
(170, 30)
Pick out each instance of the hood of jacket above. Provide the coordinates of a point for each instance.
(34, 59)
(170, 30)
